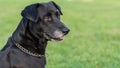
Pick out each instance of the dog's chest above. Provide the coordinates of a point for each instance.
(22, 60)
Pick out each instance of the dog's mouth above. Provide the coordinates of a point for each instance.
(58, 38)
(47, 36)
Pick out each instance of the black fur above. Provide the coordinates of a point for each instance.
(31, 34)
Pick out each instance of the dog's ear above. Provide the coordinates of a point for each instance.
(58, 7)
(31, 12)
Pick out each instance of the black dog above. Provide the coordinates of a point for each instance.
(26, 47)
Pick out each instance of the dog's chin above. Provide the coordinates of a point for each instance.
(56, 39)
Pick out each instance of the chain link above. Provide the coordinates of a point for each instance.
(27, 51)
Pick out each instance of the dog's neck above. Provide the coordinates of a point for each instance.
(26, 39)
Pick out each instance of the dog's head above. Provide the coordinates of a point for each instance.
(45, 18)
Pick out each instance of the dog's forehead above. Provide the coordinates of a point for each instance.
(50, 7)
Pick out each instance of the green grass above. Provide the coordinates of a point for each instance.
(94, 40)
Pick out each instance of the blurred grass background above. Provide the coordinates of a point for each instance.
(94, 40)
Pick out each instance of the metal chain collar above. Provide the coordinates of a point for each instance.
(27, 51)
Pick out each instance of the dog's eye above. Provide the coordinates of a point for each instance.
(57, 14)
(49, 14)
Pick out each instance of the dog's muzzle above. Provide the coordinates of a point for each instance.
(57, 36)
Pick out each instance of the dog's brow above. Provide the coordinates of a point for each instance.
(57, 10)
(53, 11)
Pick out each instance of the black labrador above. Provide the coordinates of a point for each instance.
(26, 47)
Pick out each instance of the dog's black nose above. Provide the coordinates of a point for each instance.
(66, 30)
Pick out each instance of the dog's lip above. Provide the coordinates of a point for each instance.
(55, 38)
(59, 38)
